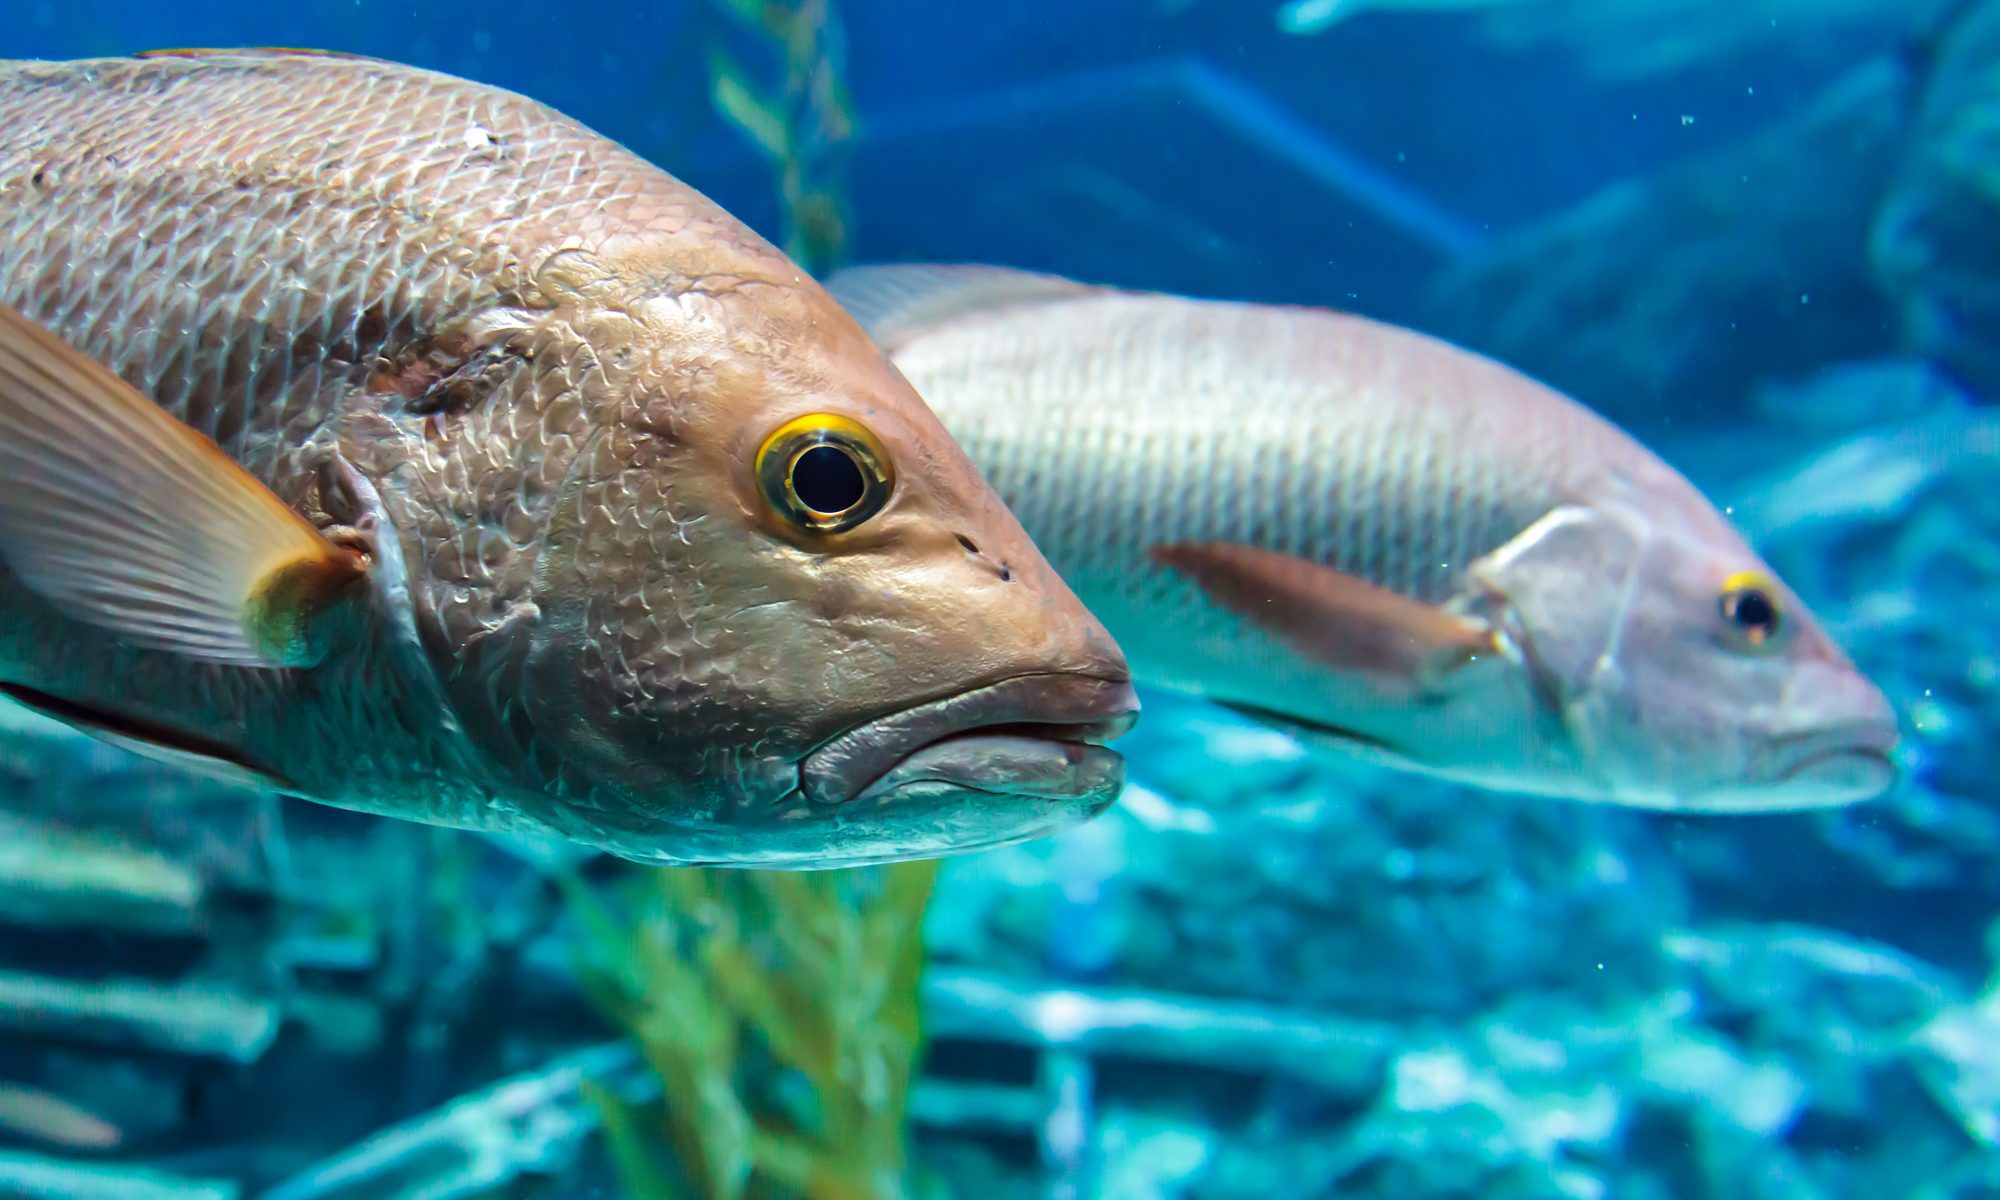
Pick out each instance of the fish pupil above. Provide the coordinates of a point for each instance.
(1753, 611)
(828, 480)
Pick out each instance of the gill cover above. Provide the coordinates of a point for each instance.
(1558, 595)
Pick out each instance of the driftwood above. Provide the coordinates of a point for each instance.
(35, 1177)
(189, 1018)
(535, 1123)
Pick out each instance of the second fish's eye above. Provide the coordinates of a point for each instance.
(1750, 607)
(824, 472)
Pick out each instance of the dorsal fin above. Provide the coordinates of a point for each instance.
(256, 52)
(895, 302)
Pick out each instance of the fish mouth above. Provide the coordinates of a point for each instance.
(1041, 736)
(1833, 767)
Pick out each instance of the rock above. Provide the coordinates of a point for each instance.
(1141, 1156)
(52, 879)
(1666, 299)
(143, 1100)
(192, 1018)
(1930, 245)
(1851, 396)
(1391, 897)
(1331, 1050)
(1958, 1057)
(535, 1124)
(36, 1177)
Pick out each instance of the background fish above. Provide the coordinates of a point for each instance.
(549, 497)
(1385, 541)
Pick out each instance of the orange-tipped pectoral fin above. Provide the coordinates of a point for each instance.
(1336, 619)
(131, 521)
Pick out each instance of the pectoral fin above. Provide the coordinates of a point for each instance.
(131, 521)
(1340, 621)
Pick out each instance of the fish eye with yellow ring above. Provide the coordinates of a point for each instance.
(824, 472)
(1750, 608)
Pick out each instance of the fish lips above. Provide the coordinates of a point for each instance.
(1833, 767)
(1035, 737)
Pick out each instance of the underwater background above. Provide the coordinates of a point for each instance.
(1762, 235)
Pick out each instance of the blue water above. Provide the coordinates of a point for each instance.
(1260, 975)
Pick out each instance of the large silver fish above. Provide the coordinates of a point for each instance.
(396, 442)
(1370, 535)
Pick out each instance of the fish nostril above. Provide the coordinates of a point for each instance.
(1005, 572)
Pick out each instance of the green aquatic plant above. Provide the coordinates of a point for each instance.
(803, 125)
(780, 1012)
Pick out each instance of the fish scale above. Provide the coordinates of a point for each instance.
(1115, 423)
(1352, 487)
(192, 248)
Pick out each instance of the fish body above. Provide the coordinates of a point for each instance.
(396, 442)
(1388, 543)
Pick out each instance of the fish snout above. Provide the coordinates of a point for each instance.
(1843, 748)
(1033, 608)
(1832, 767)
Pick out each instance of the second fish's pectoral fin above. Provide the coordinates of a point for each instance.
(1335, 619)
(131, 521)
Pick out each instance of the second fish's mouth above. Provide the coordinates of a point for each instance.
(1788, 754)
(1021, 736)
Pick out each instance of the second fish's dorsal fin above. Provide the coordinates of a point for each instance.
(129, 520)
(1335, 619)
(896, 301)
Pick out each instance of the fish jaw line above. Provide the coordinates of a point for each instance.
(1858, 775)
(1863, 751)
(917, 818)
(969, 793)
(1030, 727)
(1826, 768)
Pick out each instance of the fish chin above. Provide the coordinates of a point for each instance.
(1808, 773)
(1838, 777)
(995, 764)
(1062, 711)
(965, 792)
(976, 791)
(1003, 763)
